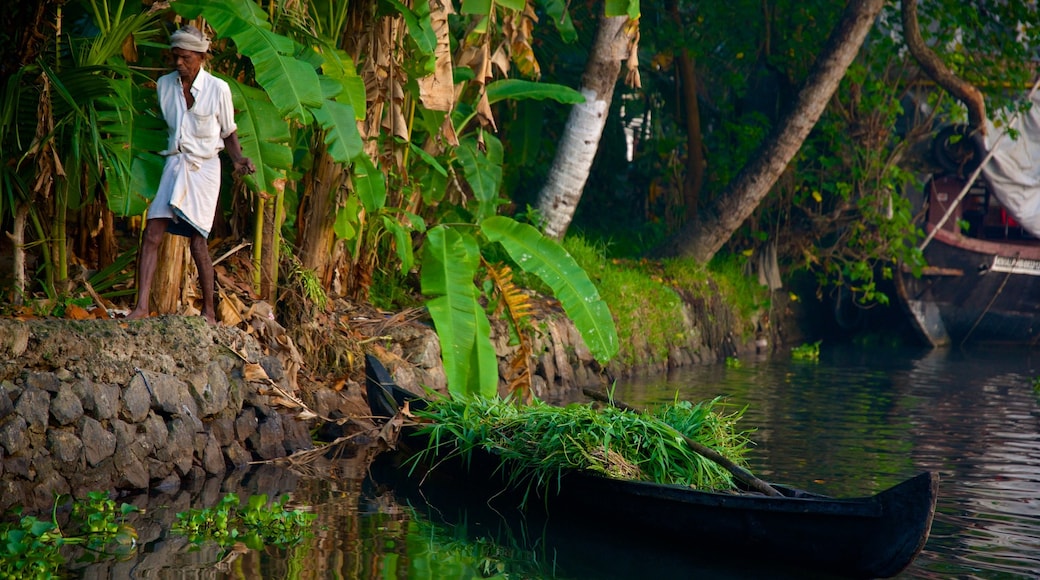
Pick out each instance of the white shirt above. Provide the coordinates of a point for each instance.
(198, 132)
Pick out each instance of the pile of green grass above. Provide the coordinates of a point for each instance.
(538, 443)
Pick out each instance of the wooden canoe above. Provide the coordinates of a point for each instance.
(866, 537)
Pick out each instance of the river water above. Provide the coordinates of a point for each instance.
(853, 423)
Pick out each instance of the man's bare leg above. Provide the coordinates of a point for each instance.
(204, 264)
(147, 260)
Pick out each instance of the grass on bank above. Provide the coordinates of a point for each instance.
(647, 297)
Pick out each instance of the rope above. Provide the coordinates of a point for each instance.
(991, 300)
(974, 175)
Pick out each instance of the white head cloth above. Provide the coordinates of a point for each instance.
(189, 38)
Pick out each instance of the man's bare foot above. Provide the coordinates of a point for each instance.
(136, 314)
(210, 318)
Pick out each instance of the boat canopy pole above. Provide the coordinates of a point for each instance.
(974, 176)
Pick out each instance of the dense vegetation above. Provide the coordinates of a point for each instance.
(401, 145)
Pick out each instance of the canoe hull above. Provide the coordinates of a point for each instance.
(875, 536)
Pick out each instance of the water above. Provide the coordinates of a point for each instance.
(851, 424)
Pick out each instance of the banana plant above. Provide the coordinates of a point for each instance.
(451, 257)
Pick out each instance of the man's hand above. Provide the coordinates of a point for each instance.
(244, 166)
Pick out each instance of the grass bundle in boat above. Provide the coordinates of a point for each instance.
(538, 443)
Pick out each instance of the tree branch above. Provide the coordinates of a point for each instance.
(937, 70)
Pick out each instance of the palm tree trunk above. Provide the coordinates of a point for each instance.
(559, 198)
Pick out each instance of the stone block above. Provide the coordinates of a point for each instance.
(6, 404)
(34, 405)
(98, 443)
(137, 399)
(12, 434)
(66, 408)
(213, 396)
(65, 447)
(212, 458)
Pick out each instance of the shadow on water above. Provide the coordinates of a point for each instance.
(853, 423)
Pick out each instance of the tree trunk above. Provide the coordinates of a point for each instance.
(694, 178)
(170, 286)
(701, 238)
(570, 170)
(321, 190)
(18, 241)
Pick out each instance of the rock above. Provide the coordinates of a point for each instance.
(268, 441)
(180, 445)
(237, 455)
(169, 394)
(6, 406)
(98, 443)
(99, 399)
(223, 430)
(212, 397)
(35, 406)
(132, 472)
(137, 399)
(246, 425)
(51, 485)
(65, 447)
(12, 434)
(45, 381)
(66, 406)
(156, 433)
(297, 435)
(212, 458)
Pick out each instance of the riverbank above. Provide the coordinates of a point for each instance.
(132, 405)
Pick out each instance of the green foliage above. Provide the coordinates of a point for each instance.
(733, 362)
(550, 262)
(451, 258)
(539, 443)
(643, 306)
(258, 524)
(450, 261)
(31, 548)
(808, 351)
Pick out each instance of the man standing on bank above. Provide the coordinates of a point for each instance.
(198, 111)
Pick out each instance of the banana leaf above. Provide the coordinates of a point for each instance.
(547, 259)
(450, 261)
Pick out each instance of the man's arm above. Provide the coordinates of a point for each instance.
(243, 165)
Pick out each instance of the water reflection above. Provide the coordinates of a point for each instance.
(852, 424)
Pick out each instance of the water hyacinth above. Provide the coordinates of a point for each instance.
(538, 443)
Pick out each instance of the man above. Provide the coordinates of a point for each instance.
(198, 111)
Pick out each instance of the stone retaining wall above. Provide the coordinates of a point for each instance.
(132, 405)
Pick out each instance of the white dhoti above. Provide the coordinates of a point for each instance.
(188, 192)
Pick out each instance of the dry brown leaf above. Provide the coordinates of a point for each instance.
(253, 372)
(229, 312)
(77, 312)
(437, 91)
(283, 402)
